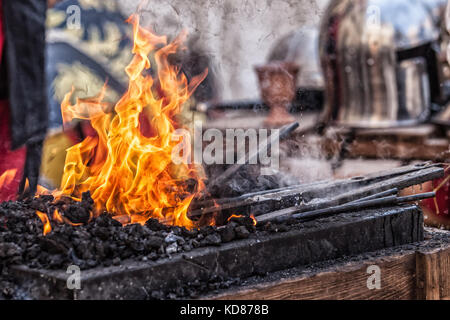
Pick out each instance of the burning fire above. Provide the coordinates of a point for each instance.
(239, 216)
(236, 216)
(45, 221)
(129, 174)
(255, 222)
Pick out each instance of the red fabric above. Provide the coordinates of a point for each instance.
(2, 34)
(9, 160)
(440, 215)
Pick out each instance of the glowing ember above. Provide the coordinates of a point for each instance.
(45, 221)
(236, 216)
(57, 216)
(255, 222)
(239, 216)
(128, 174)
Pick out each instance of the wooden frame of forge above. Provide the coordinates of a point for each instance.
(422, 274)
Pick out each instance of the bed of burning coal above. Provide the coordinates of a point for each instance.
(105, 242)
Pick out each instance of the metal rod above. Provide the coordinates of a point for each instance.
(351, 194)
(386, 193)
(380, 175)
(218, 202)
(390, 200)
(416, 197)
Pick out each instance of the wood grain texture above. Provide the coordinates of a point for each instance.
(345, 282)
(421, 142)
(428, 150)
(444, 267)
(428, 275)
(411, 275)
(433, 274)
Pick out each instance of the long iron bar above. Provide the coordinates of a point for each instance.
(368, 178)
(381, 202)
(345, 191)
(386, 193)
(341, 198)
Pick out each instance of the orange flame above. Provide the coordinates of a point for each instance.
(129, 174)
(7, 177)
(8, 185)
(255, 222)
(40, 189)
(57, 216)
(45, 221)
(61, 219)
(237, 216)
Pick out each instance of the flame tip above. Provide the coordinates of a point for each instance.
(111, 165)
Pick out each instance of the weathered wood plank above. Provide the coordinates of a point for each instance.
(421, 142)
(428, 274)
(413, 274)
(428, 150)
(444, 267)
(345, 282)
(418, 133)
(331, 238)
(433, 274)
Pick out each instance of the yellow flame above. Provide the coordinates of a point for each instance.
(7, 177)
(45, 221)
(255, 222)
(237, 216)
(127, 173)
(57, 216)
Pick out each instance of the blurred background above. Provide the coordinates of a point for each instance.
(367, 80)
(89, 42)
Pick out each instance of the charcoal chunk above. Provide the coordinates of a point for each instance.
(155, 225)
(9, 249)
(213, 239)
(227, 233)
(154, 242)
(77, 214)
(242, 232)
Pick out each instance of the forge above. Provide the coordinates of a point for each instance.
(191, 274)
(297, 226)
(138, 214)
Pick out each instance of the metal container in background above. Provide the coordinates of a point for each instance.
(414, 90)
(302, 48)
(443, 117)
(380, 60)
